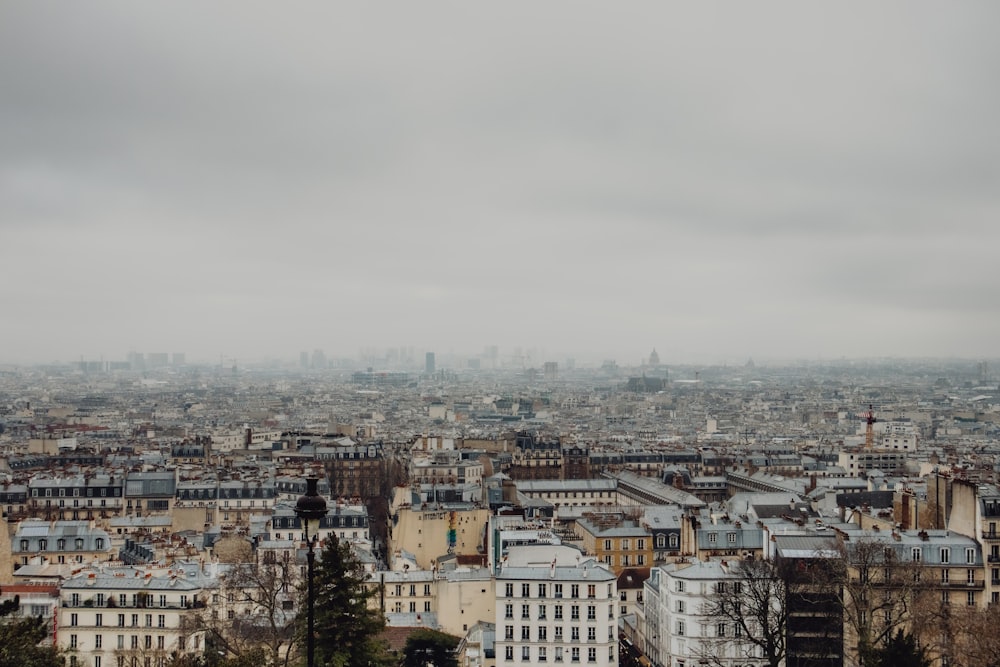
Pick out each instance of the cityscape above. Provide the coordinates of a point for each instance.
(522, 334)
(537, 514)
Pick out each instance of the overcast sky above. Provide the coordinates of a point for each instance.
(776, 180)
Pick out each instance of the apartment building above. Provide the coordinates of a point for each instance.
(60, 542)
(557, 614)
(618, 542)
(110, 616)
(677, 629)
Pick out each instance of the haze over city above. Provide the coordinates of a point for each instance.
(770, 180)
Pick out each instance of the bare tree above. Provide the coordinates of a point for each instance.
(880, 595)
(752, 605)
(978, 640)
(255, 608)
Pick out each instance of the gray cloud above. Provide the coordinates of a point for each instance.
(718, 182)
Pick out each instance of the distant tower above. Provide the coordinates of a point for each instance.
(654, 358)
(870, 427)
(551, 370)
(429, 363)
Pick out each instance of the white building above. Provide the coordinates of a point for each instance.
(561, 614)
(678, 631)
(109, 616)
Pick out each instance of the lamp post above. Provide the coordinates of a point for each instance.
(310, 508)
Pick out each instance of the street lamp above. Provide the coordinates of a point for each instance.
(310, 508)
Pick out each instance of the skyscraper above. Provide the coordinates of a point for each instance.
(429, 363)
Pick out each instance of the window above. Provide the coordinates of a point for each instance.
(135, 641)
(541, 612)
(525, 633)
(680, 586)
(674, 541)
(508, 610)
(626, 544)
(558, 612)
(712, 537)
(558, 633)
(970, 598)
(915, 554)
(944, 576)
(98, 641)
(413, 590)
(640, 544)
(574, 634)
(945, 555)
(98, 620)
(508, 653)
(970, 576)
(680, 606)
(591, 591)
(558, 590)
(525, 590)
(73, 619)
(591, 612)
(591, 654)
(121, 641)
(72, 641)
(525, 612)
(509, 590)
(720, 630)
(541, 590)
(591, 634)
(607, 545)
(121, 620)
(574, 612)
(970, 556)
(574, 590)
(559, 654)
(680, 628)
(542, 654)
(661, 541)
(543, 633)
(574, 654)
(508, 632)
(731, 537)
(640, 559)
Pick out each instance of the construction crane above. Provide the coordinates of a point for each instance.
(870, 428)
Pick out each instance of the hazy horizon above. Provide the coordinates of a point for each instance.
(719, 182)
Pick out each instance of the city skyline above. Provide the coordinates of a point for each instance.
(774, 182)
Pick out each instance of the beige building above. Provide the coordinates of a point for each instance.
(423, 530)
(124, 613)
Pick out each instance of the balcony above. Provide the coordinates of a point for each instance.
(967, 585)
